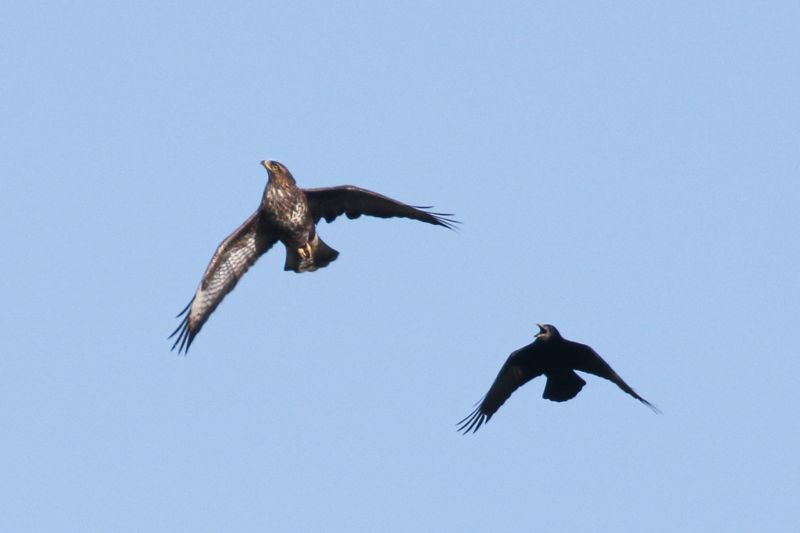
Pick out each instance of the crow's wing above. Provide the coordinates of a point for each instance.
(521, 366)
(585, 359)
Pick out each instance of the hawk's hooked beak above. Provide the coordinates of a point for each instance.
(267, 164)
(541, 331)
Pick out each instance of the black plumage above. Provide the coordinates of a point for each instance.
(555, 357)
(287, 214)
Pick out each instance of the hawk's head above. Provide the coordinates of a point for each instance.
(277, 170)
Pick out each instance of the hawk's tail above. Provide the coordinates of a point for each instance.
(321, 256)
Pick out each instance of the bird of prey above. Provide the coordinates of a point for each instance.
(555, 357)
(287, 214)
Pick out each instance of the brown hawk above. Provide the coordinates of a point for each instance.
(287, 214)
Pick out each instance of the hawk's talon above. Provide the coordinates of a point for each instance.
(305, 251)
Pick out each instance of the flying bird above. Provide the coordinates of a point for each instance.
(287, 214)
(555, 357)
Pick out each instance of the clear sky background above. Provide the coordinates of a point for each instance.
(627, 171)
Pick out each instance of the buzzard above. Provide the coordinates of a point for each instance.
(555, 357)
(287, 214)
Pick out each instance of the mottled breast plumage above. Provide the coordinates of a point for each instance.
(287, 208)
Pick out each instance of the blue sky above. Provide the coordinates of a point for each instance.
(626, 171)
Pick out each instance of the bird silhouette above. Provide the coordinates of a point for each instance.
(555, 357)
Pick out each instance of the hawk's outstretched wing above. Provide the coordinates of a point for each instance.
(521, 366)
(585, 359)
(233, 257)
(330, 202)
